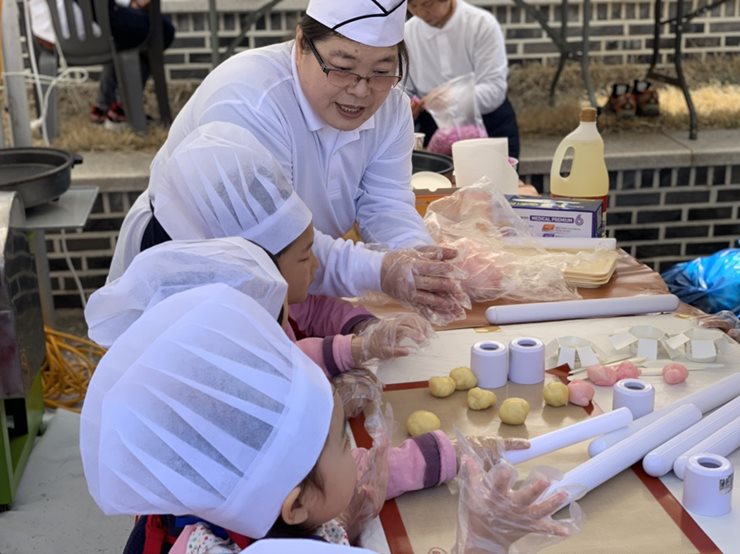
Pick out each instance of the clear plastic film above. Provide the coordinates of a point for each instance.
(496, 249)
(488, 448)
(426, 280)
(725, 320)
(455, 111)
(391, 337)
(372, 471)
(359, 389)
(496, 516)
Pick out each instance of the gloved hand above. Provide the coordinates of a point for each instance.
(423, 279)
(725, 320)
(391, 337)
(372, 473)
(492, 516)
(358, 389)
(489, 449)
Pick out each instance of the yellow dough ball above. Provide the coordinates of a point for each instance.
(422, 421)
(513, 411)
(442, 387)
(556, 394)
(464, 378)
(480, 399)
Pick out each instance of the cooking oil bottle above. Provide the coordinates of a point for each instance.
(588, 176)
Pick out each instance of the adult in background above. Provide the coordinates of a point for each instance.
(129, 21)
(450, 38)
(327, 107)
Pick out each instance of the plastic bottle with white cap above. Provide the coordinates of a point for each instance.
(588, 176)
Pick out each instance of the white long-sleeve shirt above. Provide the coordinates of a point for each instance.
(342, 176)
(470, 41)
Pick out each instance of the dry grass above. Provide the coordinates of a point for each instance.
(715, 88)
(714, 85)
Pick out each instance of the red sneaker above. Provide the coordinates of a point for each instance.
(646, 98)
(621, 102)
(116, 114)
(97, 115)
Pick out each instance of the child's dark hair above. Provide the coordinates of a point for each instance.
(282, 530)
(315, 32)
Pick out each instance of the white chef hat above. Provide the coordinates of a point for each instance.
(370, 22)
(304, 546)
(179, 265)
(204, 407)
(221, 182)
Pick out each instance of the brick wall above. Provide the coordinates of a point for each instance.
(621, 31)
(661, 216)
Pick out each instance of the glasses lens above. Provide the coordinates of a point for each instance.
(341, 78)
(383, 82)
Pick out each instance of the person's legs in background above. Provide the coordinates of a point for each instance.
(130, 27)
(425, 124)
(501, 122)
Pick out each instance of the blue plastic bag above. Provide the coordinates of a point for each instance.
(712, 284)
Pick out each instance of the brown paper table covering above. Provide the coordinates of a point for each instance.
(631, 513)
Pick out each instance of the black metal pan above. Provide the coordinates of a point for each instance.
(38, 174)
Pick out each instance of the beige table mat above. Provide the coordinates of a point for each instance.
(621, 516)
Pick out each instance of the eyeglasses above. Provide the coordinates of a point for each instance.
(343, 78)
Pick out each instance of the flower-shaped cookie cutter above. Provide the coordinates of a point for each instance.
(574, 351)
(699, 344)
(645, 341)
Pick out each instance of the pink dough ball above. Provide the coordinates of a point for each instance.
(674, 373)
(580, 393)
(602, 375)
(627, 370)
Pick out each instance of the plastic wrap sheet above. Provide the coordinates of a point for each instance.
(479, 222)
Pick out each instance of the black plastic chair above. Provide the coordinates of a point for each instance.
(82, 47)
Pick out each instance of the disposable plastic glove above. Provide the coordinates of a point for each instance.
(492, 515)
(724, 320)
(372, 473)
(422, 279)
(358, 389)
(391, 337)
(489, 449)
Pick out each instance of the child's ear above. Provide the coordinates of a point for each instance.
(294, 511)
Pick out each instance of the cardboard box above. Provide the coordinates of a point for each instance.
(560, 217)
(428, 187)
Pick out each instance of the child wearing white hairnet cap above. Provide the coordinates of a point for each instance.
(220, 181)
(221, 185)
(204, 408)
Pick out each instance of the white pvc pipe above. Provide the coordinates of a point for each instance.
(659, 461)
(723, 442)
(571, 434)
(15, 83)
(705, 399)
(592, 473)
(577, 309)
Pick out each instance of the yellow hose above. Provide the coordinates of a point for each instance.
(70, 362)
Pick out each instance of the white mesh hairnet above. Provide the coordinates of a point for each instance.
(175, 266)
(221, 182)
(203, 406)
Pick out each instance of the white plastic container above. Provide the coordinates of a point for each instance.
(588, 176)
